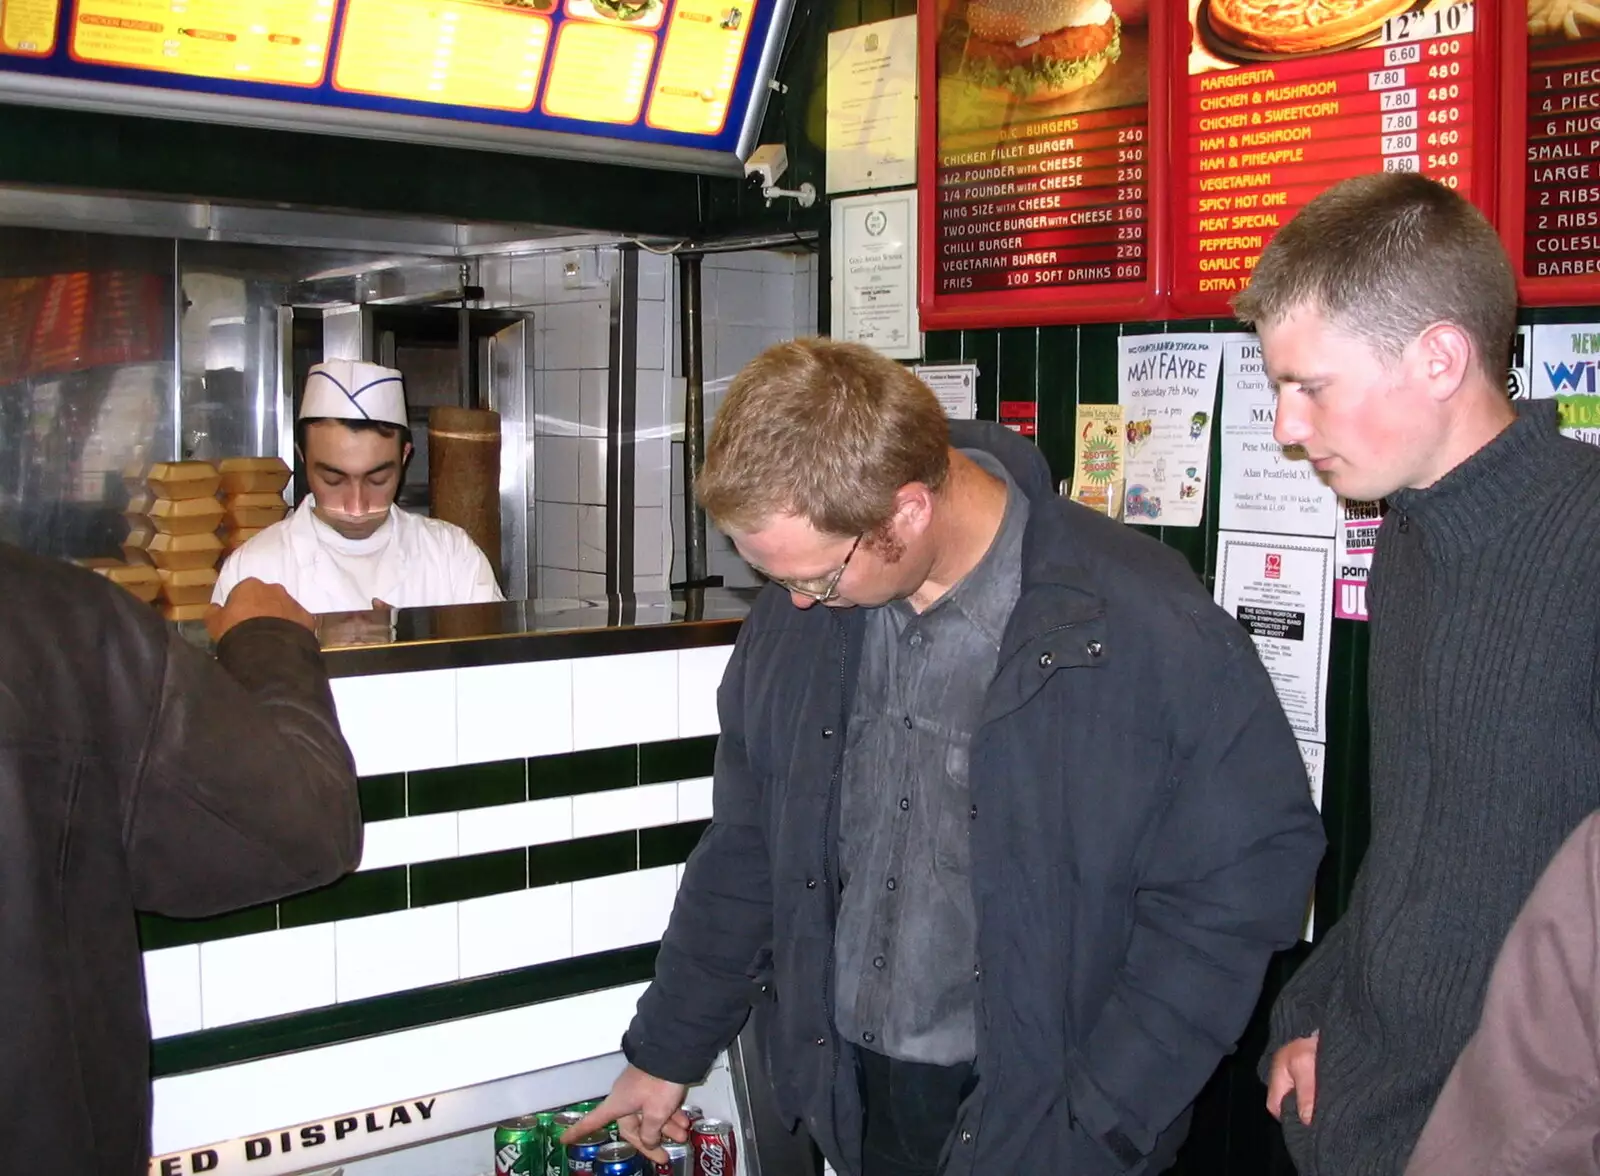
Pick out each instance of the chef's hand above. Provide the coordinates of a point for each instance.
(644, 1108)
(253, 598)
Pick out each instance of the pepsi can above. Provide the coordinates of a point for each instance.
(617, 1159)
(581, 1156)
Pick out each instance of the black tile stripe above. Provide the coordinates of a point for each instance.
(158, 931)
(478, 876)
(383, 798)
(587, 857)
(677, 759)
(336, 1024)
(355, 896)
(469, 786)
(578, 772)
(669, 845)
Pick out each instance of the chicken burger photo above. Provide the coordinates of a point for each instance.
(1039, 50)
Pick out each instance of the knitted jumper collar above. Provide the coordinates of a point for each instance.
(1495, 487)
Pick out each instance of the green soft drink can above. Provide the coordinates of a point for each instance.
(519, 1147)
(555, 1160)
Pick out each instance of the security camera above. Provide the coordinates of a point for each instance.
(768, 161)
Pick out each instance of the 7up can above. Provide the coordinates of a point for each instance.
(555, 1160)
(519, 1147)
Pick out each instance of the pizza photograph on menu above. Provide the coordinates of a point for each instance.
(1293, 27)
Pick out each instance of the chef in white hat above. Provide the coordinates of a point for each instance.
(347, 547)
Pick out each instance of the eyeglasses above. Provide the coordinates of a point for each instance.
(829, 585)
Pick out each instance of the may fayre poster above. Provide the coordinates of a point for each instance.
(1167, 386)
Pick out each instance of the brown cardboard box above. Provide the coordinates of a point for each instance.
(185, 612)
(254, 475)
(191, 586)
(186, 516)
(236, 537)
(183, 553)
(184, 479)
(142, 581)
(136, 547)
(255, 510)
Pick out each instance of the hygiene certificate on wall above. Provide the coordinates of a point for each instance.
(874, 283)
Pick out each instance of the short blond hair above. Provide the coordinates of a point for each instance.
(1385, 256)
(825, 430)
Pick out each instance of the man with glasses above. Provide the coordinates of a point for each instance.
(1004, 835)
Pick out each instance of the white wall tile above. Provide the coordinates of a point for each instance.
(594, 400)
(592, 471)
(557, 468)
(626, 698)
(398, 722)
(494, 275)
(694, 799)
(266, 975)
(563, 332)
(558, 536)
(595, 335)
(655, 270)
(506, 931)
(652, 471)
(527, 282)
(647, 535)
(622, 909)
(514, 711)
(699, 674)
(394, 952)
(172, 990)
(613, 811)
(591, 538)
(652, 338)
(511, 826)
(408, 839)
(561, 412)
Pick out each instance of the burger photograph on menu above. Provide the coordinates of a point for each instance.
(1040, 50)
(1004, 60)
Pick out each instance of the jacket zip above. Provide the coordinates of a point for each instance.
(827, 856)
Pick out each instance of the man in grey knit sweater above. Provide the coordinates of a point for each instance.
(1385, 310)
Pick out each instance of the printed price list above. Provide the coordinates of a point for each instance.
(1055, 202)
(1264, 140)
(28, 27)
(1562, 231)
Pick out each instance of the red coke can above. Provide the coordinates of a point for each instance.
(715, 1153)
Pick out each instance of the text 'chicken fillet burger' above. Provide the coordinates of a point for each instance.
(1040, 50)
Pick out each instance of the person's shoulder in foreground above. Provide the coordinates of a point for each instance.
(1524, 1097)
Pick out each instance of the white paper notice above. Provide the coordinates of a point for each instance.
(875, 273)
(1315, 756)
(1265, 487)
(1358, 539)
(1278, 588)
(1566, 366)
(956, 386)
(872, 106)
(1167, 386)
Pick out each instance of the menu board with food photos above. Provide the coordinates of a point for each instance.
(669, 82)
(1042, 130)
(1550, 163)
(1276, 100)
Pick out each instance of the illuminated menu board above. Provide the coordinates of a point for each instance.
(1273, 113)
(1040, 157)
(1550, 172)
(674, 83)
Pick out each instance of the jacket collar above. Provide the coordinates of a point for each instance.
(310, 555)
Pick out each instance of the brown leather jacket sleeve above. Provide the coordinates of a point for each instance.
(1524, 1097)
(246, 790)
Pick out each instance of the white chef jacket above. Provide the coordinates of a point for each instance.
(411, 562)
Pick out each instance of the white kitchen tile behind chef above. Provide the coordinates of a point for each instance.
(266, 975)
(626, 698)
(399, 951)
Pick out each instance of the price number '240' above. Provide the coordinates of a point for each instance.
(1421, 26)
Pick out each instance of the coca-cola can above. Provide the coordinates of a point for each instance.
(715, 1153)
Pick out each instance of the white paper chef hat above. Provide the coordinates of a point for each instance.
(349, 390)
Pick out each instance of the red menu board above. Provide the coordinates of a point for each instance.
(1550, 164)
(1041, 127)
(1270, 115)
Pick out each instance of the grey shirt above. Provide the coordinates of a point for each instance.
(906, 941)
